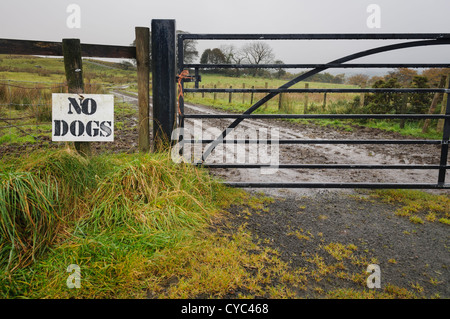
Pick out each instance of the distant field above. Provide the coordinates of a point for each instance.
(41, 69)
(291, 102)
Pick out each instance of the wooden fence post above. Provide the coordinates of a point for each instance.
(243, 94)
(73, 66)
(215, 94)
(280, 101)
(305, 108)
(324, 106)
(434, 103)
(251, 96)
(143, 79)
(362, 97)
(440, 125)
(230, 96)
(403, 108)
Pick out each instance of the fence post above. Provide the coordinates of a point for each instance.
(73, 67)
(434, 103)
(251, 96)
(243, 94)
(362, 97)
(403, 108)
(280, 101)
(143, 79)
(230, 96)
(164, 82)
(305, 108)
(440, 125)
(444, 145)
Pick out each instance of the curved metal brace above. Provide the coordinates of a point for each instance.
(308, 74)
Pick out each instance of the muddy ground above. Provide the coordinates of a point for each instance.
(410, 256)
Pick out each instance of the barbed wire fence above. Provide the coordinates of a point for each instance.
(22, 109)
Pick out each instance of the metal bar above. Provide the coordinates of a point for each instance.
(317, 36)
(295, 141)
(324, 166)
(337, 185)
(314, 66)
(163, 82)
(196, 78)
(316, 116)
(320, 90)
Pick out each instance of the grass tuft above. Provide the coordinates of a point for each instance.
(29, 214)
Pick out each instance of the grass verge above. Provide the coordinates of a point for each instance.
(418, 206)
(110, 215)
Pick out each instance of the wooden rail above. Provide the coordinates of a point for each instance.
(28, 47)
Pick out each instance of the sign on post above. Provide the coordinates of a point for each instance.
(82, 117)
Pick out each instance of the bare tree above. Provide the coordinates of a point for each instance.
(258, 53)
(233, 56)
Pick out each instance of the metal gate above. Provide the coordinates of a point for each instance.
(418, 40)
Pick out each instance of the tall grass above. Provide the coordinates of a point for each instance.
(115, 211)
(29, 214)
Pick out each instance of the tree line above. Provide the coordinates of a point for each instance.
(400, 78)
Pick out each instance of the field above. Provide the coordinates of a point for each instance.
(141, 226)
(290, 103)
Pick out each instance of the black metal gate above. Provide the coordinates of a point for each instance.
(419, 40)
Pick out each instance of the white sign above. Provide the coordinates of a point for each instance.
(82, 117)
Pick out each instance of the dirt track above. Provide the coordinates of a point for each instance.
(317, 154)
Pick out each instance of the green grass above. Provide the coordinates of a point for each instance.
(38, 69)
(13, 136)
(418, 206)
(410, 129)
(132, 223)
(108, 214)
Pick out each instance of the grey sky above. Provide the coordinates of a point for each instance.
(113, 22)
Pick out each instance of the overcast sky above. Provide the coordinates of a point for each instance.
(113, 22)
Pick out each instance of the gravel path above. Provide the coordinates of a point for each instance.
(412, 257)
